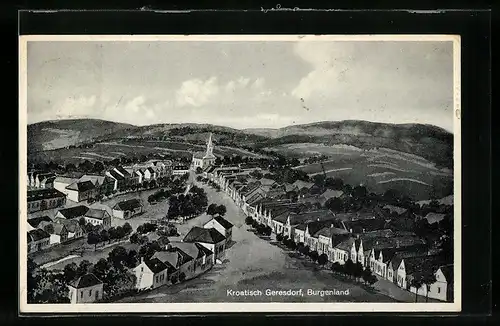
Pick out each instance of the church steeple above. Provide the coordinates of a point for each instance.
(210, 147)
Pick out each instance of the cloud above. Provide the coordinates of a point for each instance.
(197, 92)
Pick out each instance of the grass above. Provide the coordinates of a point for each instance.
(380, 170)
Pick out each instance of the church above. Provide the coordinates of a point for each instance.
(204, 159)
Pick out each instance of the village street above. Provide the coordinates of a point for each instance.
(252, 263)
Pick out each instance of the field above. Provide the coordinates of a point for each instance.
(378, 170)
(109, 150)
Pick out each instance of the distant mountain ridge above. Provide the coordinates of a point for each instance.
(429, 141)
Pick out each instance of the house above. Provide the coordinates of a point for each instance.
(362, 225)
(119, 180)
(329, 194)
(61, 182)
(127, 209)
(222, 225)
(40, 180)
(37, 240)
(81, 190)
(434, 217)
(42, 199)
(98, 217)
(347, 249)
(86, 289)
(395, 209)
(179, 262)
(180, 170)
(203, 259)
(311, 236)
(75, 231)
(211, 239)
(204, 159)
(328, 237)
(442, 289)
(296, 218)
(35, 222)
(303, 187)
(58, 232)
(411, 267)
(150, 274)
(102, 183)
(75, 212)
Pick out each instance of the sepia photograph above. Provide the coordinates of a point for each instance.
(231, 173)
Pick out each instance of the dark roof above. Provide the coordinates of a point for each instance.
(197, 234)
(44, 194)
(73, 212)
(365, 225)
(188, 248)
(85, 281)
(116, 175)
(318, 215)
(314, 226)
(155, 265)
(34, 222)
(207, 251)
(222, 221)
(81, 186)
(330, 231)
(128, 205)
(37, 234)
(397, 209)
(122, 171)
(151, 170)
(99, 214)
(71, 225)
(346, 245)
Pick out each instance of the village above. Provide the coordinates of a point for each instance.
(142, 223)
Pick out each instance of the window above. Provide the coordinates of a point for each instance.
(81, 295)
(439, 289)
(97, 295)
(142, 269)
(156, 278)
(90, 292)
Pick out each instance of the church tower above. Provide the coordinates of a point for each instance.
(210, 148)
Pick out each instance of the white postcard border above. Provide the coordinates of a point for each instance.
(235, 307)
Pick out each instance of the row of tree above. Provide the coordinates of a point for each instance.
(158, 196)
(189, 205)
(113, 233)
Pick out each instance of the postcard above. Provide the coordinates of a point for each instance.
(239, 173)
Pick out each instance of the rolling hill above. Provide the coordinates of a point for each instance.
(49, 135)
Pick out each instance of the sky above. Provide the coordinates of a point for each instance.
(251, 84)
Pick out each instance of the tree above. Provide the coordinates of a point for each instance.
(428, 279)
(305, 250)
(221, 210)
(367, 273)
(118, 256)
(314, 255)
(127, 228)
(248, 220)
(182, 277)
(49, 228)
(134, 238)
(322, 259)
(83, 268)
(279, 237)
(357, 271)
(334, 204)
(417, 283)
(199, 170)
(104, 236)
(349, 268)
(173, 279)
(70, 272)
(212, 209)
(82, 222)
(268, 231)
(98, 167)
(93, 239)
(337, 268)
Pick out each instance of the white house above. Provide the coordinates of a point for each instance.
(150, 274)
(80, 191)
(98, 217)
(86, 289)
(222, 225)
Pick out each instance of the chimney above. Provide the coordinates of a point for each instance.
(142, 259)
(331, 226)
(397, 243)
(363, 230)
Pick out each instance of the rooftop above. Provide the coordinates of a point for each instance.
(128, 205)
(197, 234)
(73, 212)
(81, 186)
(85, 281)
(44, 194)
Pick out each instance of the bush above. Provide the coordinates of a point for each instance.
(173, 279)
(182, 277)
(314, 255)
(322, 259)
(248, 220)
(279, 237)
